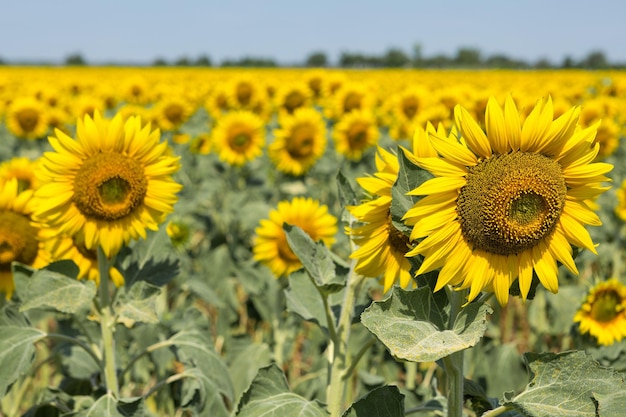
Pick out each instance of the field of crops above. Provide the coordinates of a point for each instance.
(240, 242)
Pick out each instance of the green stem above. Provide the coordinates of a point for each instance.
(411, 374)
(149, 349)
(168, 380)
(338, 365)
(107, 326)
(454, 362)
(496, 411)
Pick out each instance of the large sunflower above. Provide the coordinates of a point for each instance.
(507, 201)
(603, 314)
(110, 184)
(19, 235)
(270, 244)
(300, 141)
(382, 247)
(239, 137)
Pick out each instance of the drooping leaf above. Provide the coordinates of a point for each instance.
(48, 288)
(384, 401)
(195, 350)
(108, 406)
(413, 327)
(410, 176)
(152, 260)
(246, 365)
(138, 304)
(305, 300)
(200, 393)
(315, 258)
(17, 353)
(347, 195)
(569, 383)
(269, 395)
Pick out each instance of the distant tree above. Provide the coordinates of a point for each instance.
(203, 61)
(75, 59)
(395, 58)
(317, 59)
(468, 57)
(2, 62)
(251, 62)
(543, 63)
(418, 58)
(182, 62)
(159, 62)
(595, 60)
(568, 62)
(438, 61)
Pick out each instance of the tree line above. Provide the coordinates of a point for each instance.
(465, 57)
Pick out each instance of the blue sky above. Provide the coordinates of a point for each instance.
(139, 31)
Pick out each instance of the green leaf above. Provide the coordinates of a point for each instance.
(305, 300)
(49, 288)
(569, 383)
(380, 402)
(152, 260)
(201, 394)
(410, 176)
(17, 353)
(315, 258)
(195, 349)
(347, 195)
(108, 406)
(413, 328)
(246, 364)
(138, 304)
(269, 395)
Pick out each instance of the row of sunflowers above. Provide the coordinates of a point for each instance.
(465, 184)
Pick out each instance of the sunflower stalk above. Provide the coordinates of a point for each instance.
(454, 362)
(339, 361)
(107, 324)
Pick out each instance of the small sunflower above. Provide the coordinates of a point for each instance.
(239, 137)
(620, 210)
(603, 314)
(270, 244)
(27, 118)
(356, 132)
(382, 247)
(171, 112)
(299, 143)
(109, 185)
(22, 169)
(292, 96)
(19, 234)
(201, 144)
(507, 201)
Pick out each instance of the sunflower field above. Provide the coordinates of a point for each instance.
(312, 242)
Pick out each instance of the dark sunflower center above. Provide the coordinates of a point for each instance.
(300, 144)
(352, 102)
(294, 100)
(174, 113)
(357, 135)
(109, 186)
(606, 306)
(409, 107)
(511, 202)
(17, 240)
(244, 93)
(398, 241)
(27, 119)
(239, 139)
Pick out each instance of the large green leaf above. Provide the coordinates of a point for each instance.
(246, 364)
(413, 327)
(305, 300)
(17, 353)
(384, 401)
(269, 395)
(49, 288)
(569, 384)
(315, 257)
(138, 304)
(108, 406)
(347, 195)
(195, 349)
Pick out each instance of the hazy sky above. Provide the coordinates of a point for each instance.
(289, 30)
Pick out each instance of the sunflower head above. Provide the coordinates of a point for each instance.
(356, 132)
(27, 118)
(239, 137)
(507, 201)
(603, 314)
(109, 184)
(270, 244)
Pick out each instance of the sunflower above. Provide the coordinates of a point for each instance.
(603, 314)
(19, 234)
(508, 201)
(27, 118)
(23, 170)
(171, 112)
(382, 247)
(270, 244)
(292, 96)
(620, 209)
(350, 97)
(356, 132)
(201, 144)
(109, 185)
(299, 143)
(239, 137)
